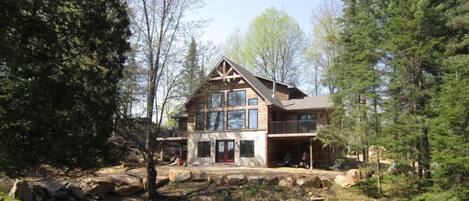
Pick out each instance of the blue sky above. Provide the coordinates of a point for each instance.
(228, 15)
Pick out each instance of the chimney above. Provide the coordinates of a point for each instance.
(274, 89)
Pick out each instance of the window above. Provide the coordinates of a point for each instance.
(236, 119)
(252, 101)
(306, 123)
(199, 105)
(253, 118)
(236, 98)
(215, 121)
(215, 100)
(203, 149)
(246, 148)
(199, 121)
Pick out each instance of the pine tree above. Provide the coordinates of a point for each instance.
(193, 72)
(413, 46)
(356, 78)
(450, 128)
(60, 62)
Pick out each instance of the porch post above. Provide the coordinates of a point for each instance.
(311, 153)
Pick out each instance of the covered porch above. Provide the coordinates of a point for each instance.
(299, 151)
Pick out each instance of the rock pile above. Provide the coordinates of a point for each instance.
(181, 175)
(352, 177)
(89, 188)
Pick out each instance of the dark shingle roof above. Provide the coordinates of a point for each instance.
(265, 92)
(309, 102)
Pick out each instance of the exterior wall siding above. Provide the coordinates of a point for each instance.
(260, 147)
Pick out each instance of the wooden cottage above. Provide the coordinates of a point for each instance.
(241, 119)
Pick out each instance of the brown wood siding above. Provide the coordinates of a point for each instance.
(219, 86)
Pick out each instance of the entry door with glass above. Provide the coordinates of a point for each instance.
(225, 151)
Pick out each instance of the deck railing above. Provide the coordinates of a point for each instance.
(300, 126)
(173, 133)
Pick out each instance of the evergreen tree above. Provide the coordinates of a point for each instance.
(413, 49)
(193, 72)
(450, 128)
(60, 62)
(356, 80)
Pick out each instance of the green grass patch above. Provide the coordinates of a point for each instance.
(6, 197)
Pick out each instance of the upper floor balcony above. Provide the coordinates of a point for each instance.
(288, 128)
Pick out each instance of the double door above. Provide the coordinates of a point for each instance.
(225, 151)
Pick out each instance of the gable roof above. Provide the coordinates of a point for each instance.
(315, 102)
(309, 102)
(257, 85)
(289, 86)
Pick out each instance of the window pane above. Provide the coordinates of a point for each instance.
(216, 100)
(215, 121)
(252, 101)
(247, 148)
(199, 121)
(236, 98)
(253, 118)
(236, 119)
(306, 123)
(199, 106)
(203, 149)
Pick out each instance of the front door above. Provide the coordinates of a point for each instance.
(225, 151)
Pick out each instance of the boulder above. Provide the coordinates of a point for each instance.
(96, 186)
(61, 194)
(21, 191)
(40, 193)
(344, 181)
(286, 182)
(179, 175)
(271, 180)
(256, 180)
(313, 182)
(199, 176)
(236, 179)
(354, 174)
(217, 179)
(326, 183)
(315, 198)
(75, 192)
(126, 184)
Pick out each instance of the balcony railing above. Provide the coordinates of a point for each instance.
(173, 133)
(300, 126)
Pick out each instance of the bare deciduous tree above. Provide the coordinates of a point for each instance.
(324, 44)
(157, 26)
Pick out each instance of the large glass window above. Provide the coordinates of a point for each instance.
(246, 148)
(253, 118)
(199, 121)
(252, 101)
(236, 119)
(203, 149)
(215, 121)
(216, 100)
(237, 98)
